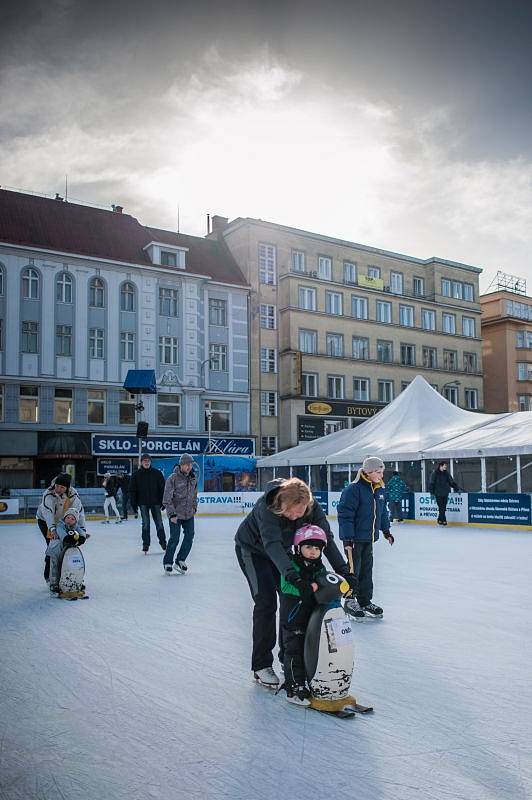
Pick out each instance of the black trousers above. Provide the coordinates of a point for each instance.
(43, 527)
(295, 615)
(264, 583)
(441, 500)
(360, 561)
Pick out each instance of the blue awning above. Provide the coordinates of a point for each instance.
(140, 381)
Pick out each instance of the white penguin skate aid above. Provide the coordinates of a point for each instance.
(72, 575)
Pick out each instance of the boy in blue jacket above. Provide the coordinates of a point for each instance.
(362, 513)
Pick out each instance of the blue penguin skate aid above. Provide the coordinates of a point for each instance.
(329, 650)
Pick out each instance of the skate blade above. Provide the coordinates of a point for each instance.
(274, 686)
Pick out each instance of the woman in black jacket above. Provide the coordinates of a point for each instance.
(263, 540)
(440, 484)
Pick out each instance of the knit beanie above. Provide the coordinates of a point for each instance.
(186, 458)
(63, 479)
(368, 465)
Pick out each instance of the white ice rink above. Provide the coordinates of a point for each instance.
(144, 691)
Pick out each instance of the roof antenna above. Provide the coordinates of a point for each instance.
(178, 218)
(66, 188)
(208, 223)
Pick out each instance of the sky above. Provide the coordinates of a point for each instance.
(399, 124)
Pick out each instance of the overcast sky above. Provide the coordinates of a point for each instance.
(400, 124)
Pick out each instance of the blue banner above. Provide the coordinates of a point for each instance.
(126, 445)
(501, 509)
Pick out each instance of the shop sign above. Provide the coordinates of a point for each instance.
(500, 509)
(309, 429)
(114, 466)
(124, 445)
(338, 408)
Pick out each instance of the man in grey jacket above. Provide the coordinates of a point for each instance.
(181, 501)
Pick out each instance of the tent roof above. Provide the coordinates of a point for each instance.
(418, 419)
(508, 434)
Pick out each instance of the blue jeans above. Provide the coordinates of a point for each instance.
(159, 527)
(186, 544)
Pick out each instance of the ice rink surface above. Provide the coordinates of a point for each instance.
(145, 692)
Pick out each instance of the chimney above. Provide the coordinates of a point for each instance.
(219, 224)
(117, 209)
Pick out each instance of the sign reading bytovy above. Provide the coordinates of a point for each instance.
(125, 445)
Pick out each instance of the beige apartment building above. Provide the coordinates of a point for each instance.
(507, 351)
(338, 329)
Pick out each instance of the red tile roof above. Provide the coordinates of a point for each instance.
(34, 221)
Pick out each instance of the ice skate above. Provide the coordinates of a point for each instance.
(181, 567)
(267, 677)
(298, 695)
(168, 569)
(371, 610)
(352, 607)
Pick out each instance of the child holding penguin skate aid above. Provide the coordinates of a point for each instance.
(68, 533)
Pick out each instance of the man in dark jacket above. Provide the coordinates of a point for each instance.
(263, 540)
(440, 484)
(181, 502)
(362, 513)
(146, 492)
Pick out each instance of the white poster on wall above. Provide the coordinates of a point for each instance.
(426, 508)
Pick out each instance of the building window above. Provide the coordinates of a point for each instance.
(404, 385)
(385, 391)
(96, 343)
(268, 317)
(458, 290)
(168, 259)
(418, 287)
(298, 261)
(28, 406)
(450, 360)
(309, 384)
(384, 312)
(168, 350)
(307, 298)
(430, 358)
(96, 406)
(325, 268)
(335, 387)
(428, 319)
(127, 346)
(63, 288)
(470, 362)
(406, 316)
(30, 284)
(126, 408)
(396, 283)
(268, 359)
(374, 272)
(268, 404)
(448, 323)
(268, 445)
(361, 347)
(63, 406)
(168, 409)
(350, 272)
(471, 399)
(220, 416)
(96, 293)
(468, 327)
(1, 403)
(308, 341)
(359, 307)
(524, 402)
(217, 357)
(335, 345)
(408, 355)
(451, 394)
(521, 310)
(446, 289)
(384, 351)
(361, 389)
(168, 302)
(127, 297)
(334, 303)
(523, 339)
(469, 292)
(30, 337)
(267, 264)
(524, 371)
(217, 312)
(63, 340)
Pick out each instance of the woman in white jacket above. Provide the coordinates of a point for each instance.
(56, 501)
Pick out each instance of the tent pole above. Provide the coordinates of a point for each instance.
(518, 468)
(483, 488)
(423, 477)
(349, 472)
(308, 474)
(329, 477)
(291, 471)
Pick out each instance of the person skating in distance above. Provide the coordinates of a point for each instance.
(362, 513)
(440, 484)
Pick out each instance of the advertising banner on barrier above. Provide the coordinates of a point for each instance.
(219, 503)
(500, 509)
(334, 499)
(9, 508)
(425, 507)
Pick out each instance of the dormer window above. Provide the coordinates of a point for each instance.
(167, 255)
(168, 259)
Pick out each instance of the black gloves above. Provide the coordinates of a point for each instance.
(387, 535)
(304, 588)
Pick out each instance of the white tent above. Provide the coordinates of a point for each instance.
(506, 435)
(418, 420)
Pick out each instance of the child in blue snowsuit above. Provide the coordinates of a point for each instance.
(67, 533)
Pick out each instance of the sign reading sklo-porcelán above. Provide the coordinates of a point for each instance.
(124, 445)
